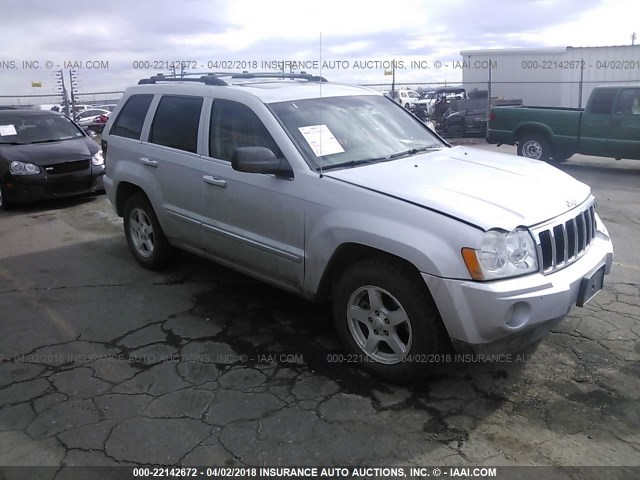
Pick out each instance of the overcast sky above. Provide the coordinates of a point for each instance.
(122, 32)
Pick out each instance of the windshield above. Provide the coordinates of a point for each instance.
(355, 129)
(23, 129)
(428, 95)
(413, 94)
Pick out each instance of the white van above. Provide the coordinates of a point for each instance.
(407, 98)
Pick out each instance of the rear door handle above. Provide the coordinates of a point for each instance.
(150, 163)
(218, 182)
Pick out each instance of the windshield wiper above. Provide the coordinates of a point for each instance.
(12, 143)
(48, 141)
(352, 163)
(412, 151)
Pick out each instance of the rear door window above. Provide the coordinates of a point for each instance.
(131, 118)
(176, 123)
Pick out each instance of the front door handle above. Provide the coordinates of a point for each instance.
(218, 182)
(149, 163)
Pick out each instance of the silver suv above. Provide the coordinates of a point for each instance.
(336, 192)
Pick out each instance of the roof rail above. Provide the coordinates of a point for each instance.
(301, 76)
(206, 79)
(214, 78)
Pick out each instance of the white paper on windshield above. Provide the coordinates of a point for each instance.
(321, 140)
(6, 130)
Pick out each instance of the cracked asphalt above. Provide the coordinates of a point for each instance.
(104, 363)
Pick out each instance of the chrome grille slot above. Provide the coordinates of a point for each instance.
(564, 241)
(572, 239)
(561, 245)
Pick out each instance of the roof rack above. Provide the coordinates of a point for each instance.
(301, 76)
(206, 79)
(214, 78)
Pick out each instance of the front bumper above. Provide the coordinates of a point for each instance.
(31, 188)
(509, 314)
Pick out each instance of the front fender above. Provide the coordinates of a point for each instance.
(434, 250)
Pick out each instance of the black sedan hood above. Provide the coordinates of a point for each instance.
(50, 153)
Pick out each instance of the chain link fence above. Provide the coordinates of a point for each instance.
(47, 101)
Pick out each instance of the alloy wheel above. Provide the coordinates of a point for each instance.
(379, 324)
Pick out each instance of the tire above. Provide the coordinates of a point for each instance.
(396, 291)
(407, 106)
(561, 157)
(144, 234)
(4, 203)
(534, 146)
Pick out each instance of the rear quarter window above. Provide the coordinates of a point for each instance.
(131, 118)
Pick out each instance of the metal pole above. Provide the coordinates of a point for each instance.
(73, 99)
(488, 98)
(65, 99)
(580, 84)
(393, 80)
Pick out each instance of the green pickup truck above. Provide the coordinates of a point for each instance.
(608, 127)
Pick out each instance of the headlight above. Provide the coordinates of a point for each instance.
(98, 159)
(502, 255)
(23, 168)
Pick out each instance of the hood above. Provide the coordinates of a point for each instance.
(486, 189)
(50, 153)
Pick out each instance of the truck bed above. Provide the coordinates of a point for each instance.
(507, 124)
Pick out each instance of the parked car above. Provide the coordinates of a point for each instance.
(332, 192)
(407, 98)
(45, 155)
(108, 106)
(89, 116)
(98, 123)
(608, 127)
(464, 118)
(428, 99)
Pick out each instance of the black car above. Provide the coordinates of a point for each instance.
(43, 154)
(464, 118)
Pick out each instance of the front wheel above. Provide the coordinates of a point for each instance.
(387, 320)
(144, 235)
(535, 147)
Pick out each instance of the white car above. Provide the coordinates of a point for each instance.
(336, 194)
(88, 117)
(407, 98)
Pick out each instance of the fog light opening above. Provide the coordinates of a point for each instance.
(518, 315)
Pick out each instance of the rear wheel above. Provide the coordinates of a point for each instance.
(4, 203)
(535, 147)
(561, 157)
(387, 320)
(144, 235)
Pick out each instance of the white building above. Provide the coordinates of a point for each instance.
(549, 76)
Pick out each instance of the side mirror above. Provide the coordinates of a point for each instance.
(260, 160)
